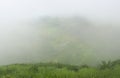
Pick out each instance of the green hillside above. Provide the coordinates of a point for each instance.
(56, 70)
(61, 45)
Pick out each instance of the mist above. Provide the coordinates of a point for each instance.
(72, 32)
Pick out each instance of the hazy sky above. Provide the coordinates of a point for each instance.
(25, 9)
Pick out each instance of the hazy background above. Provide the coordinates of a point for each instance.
(93, 9)
(66, 31)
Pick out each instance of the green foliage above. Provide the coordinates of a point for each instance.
(55, 70)
(105, 65)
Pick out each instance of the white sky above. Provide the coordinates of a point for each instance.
(25, 9)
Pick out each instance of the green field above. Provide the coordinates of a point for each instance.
(55, 70)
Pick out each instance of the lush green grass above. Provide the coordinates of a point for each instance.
(55, 70)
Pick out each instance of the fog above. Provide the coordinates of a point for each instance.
(65, 31)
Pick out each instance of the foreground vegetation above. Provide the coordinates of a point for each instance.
(56, 70)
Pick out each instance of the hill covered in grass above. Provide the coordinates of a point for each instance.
(64, 40)
(67, 40)
(76, 40)
(56, 70)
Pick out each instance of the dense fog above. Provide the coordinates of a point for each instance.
(72, 32)
(73, 40)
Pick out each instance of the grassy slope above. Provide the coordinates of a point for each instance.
(55, 70)
(63, 46)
